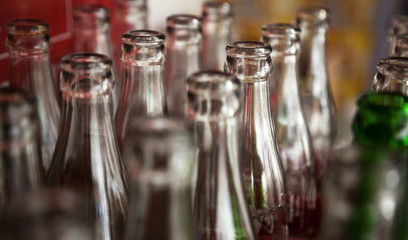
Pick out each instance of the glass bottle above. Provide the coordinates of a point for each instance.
(316, 95)
(294, 143)
(183, 58)
(367, 190)
(87, 158)
(391, 76)
(91, 34)
(400, 46)
(220, 208)
(21, 169)
(162, 157)
(28, 44)
(47, 214)
(142, 94)
(217, 26)
(398, 26)
(263, 173)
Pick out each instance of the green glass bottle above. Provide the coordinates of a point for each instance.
(367, 189)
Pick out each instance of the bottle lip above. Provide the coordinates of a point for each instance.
(91, 15)
(27, 27)
(184, 21)
(393, 65)
(215, 10)
(145, 38)
(313, 17)
(86, 63)
(248, 49)
(280, 30)
(212, 82)
(134, 3)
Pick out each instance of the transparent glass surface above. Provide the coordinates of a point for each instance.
(21, 168)
(91, 34)
(45, 215)
(87, 158)
(217, 23)
(263, 174)
(367, 191)
(294, 142)
(183, 43)
(392, 76)
(316, 94)
(398, 26)
(163, 157)
(220, 207)
(30, 71)
(142, 95)
(399, 47)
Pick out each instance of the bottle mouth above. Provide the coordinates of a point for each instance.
(280, 30)
(216, 10)
(91, 15)
(133, 3)
(213, 83)
(27, 27)
(145, 38)
(184, 21)
(312, 17)
(86, 75)
(248, 49)
(394, 66)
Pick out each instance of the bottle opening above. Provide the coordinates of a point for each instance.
(144, 38)
(27, 27)
(393, 65)
(86, 63)
(312, 17)
(184, 21)
(248, 49)
(280, 30)
(91, 15)
(213, 82)
(217, 10)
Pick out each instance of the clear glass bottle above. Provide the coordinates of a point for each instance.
(399, 47)
(294, 142)
(220, 207)
(87, 158)
(91, 34)
(263, 174)
(392, 76)
(48, 214)
(142, 95)
(217, 23)
(162, 157)
(28, 44)
(398, 25)
(183, 58)
(317, 97)
(21, 168)
(366, 191)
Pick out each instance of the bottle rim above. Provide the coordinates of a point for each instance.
(145, 38)
(212, 82)
(248, 49)
(184, 21)
(280, 30)
(96, 10)
(27, 27)
(393, 65)
(86, 63)
(220, 9)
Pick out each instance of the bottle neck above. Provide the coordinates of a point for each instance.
(92, 39)
(312, 59)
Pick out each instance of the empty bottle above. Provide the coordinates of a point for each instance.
(142, 94)
(220, 209)
(183, 59)
(263, 174)
(162, 157)
(366, 191)
(217, 23)
(294, 142)
(21, 168)
(317, 97)
(398, 26)
(91, 34)
(400, 46)
(28, 43)
(87, 158)
(391, 76)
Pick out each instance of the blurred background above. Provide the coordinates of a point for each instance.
(356, 40)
